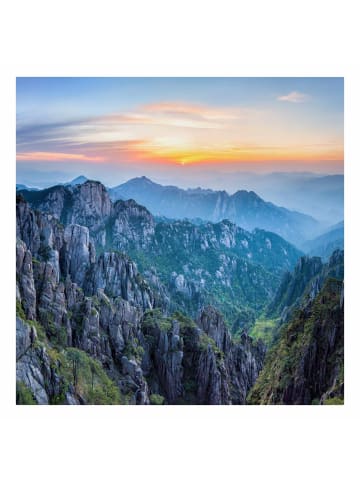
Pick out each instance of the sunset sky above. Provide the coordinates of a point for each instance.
(114, 128)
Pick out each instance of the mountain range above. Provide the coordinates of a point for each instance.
(321, 196)
(244, 208)
(117, 305)
(318, 195)
(192, 265)
(91, 330)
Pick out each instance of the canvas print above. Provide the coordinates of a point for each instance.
(179, 241)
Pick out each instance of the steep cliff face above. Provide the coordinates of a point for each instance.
(36, 372)
(130, 226)
(304, 283)
(90, 205)
(306, 365)
(78, 252)
(198, 362)
(89, 330)
(240, 361)
(62, 286)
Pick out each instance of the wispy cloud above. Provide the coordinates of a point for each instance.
(175, 132)
(56, 157)
(176, 114)
(199, 110)
(295, 97)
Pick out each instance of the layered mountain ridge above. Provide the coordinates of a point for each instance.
(191, 265)
(245, 208)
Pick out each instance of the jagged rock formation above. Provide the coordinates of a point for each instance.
(93, 326)
(304, 283)
(35, 370)
(90, 329)
(306, 365)
(189, 265)
(198, 362)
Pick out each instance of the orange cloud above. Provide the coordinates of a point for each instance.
(239, 154)
(56, 156)
(178, 114)
(175, 133)
(210, 113)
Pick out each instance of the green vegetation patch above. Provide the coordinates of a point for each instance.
(156, 399)
(334, 401)
(154, 318)
(264, 329)
(24, 395)
(89, 379)
(40, 332)
(20, 310)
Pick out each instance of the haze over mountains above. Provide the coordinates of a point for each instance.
(318, 195)
(321, 196)
(247, 208)
(326, 243)
(244, 208)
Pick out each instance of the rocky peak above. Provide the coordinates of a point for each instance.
(213, 324)
(91, 204)
(131, 225)
(77, 180)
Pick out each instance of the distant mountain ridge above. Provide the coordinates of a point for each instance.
(326, 243)
(77, 180)
(20, 187)
(245, 208)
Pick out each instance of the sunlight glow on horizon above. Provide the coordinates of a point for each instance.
(294, 126)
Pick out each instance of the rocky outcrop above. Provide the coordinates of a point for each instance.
(90, 205)
(62, 285)
(163, 360)
(248, 358)
(25, 286)
(185, 365)
(306, 365)
(186, 265)
(237, 363)
(78, 252)
(131, 226)
(212, 323)
(304, 283)
(118, 276)
(36, 370)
